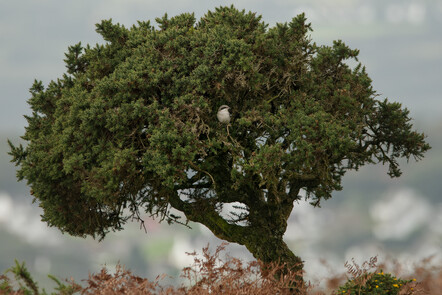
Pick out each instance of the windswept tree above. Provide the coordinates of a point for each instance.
(131, 128)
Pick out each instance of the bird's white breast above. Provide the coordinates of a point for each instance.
(223, 116)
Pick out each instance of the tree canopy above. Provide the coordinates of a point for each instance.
(131, 127)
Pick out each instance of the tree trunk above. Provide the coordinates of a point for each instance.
(273, 251)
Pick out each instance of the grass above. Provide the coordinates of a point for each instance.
(212, 275)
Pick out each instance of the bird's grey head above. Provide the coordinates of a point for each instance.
(223, 107)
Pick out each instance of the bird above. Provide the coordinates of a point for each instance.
(223, 114)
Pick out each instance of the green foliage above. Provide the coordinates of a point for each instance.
(132, 127)
(27, 285)
(374, 283)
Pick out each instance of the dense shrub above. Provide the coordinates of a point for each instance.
(376, 283)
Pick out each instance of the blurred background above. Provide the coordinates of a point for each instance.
(400, 44)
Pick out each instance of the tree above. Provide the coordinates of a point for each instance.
(131, 127)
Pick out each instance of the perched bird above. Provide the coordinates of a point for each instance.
(223, 114)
